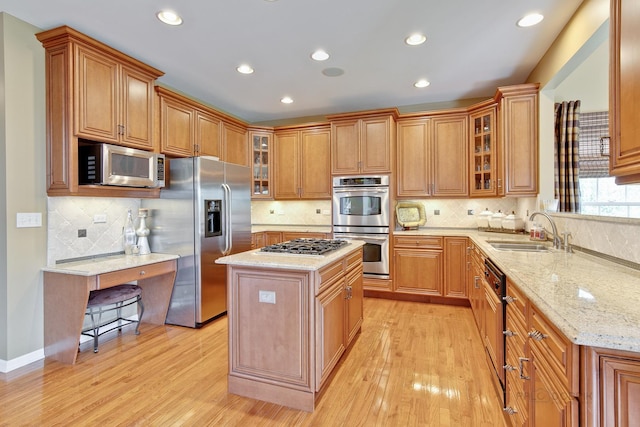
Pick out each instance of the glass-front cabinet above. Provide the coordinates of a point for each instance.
(484, 154)
(261, 145)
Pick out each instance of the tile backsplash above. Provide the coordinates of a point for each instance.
(67, 215)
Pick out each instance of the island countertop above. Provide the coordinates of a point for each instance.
(257, 258)
(593, 301)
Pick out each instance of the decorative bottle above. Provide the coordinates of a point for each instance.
(129, 234)
(143, 233)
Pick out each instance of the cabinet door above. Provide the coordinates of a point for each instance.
(345, 148)
(315, 164)
(493, 327)
(272, 237)
(176, 128)
(483, 153)
(449, 156)
(287, 172)
(137, 109)
(624, 91)
(96, 97)
(236, 144)
(418, 271)
(520, 131)
(207, 134)
(455, 267)
(412, 160)
(355, 298)
(551, 404)
(375, 145)
(330, 330)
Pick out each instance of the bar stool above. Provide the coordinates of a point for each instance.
(110, 299)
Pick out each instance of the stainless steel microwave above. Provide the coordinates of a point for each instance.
(106, 164)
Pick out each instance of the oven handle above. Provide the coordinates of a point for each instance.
(360, 190)
(359, 237)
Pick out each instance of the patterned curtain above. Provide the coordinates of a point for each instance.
(566, 150)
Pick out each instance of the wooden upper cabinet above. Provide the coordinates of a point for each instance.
(449, 156)
(189, 128)
(624, 91)
(208, 134)
(235, 141)
(483, 153)
(177, 131)
(518, 117)
(302, 163)
(362, 143)
(412, 157)
(432, 156)
(97, 93)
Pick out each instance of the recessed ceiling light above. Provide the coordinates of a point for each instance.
(415, 39)
(286, 100)
(333, 72)
(422, 83)
(530, 20)
(245, 69)
(320, 55)
(169, 17)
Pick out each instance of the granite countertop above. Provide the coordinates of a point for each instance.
(107, 264)
(256, 258)
(593, 301)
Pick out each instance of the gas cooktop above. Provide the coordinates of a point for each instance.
(306, 246)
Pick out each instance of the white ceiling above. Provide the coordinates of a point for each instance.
(473, 46)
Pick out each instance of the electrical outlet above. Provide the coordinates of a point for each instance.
(318, 211)
(268, 297)
(470, 212)
(99, 218)
(271, 211)
(436, 211)
(82, 232)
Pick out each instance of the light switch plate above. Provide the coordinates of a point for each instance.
(99, 218)
(28, 219)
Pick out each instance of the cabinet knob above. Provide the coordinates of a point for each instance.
(509, 410)
(509, 299)
(508, 333)
(509, 368)
(142, 272)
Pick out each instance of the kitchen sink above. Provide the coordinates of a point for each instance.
(519, 246)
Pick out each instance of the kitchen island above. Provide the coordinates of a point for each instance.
(291, 318)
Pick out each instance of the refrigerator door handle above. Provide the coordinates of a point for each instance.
(227, 220)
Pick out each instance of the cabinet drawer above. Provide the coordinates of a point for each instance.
(518, 303)
(555, 350)
(107, 280)
(353, 260)
(427, 242)
(328, 274)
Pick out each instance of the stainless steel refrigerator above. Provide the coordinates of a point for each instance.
(204, 213)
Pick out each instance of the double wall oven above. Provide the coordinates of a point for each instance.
(361, 212)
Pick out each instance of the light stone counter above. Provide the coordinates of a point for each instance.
(256, 258)
(593, 301)
(100, 265)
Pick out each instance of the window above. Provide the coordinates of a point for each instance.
(599, 194)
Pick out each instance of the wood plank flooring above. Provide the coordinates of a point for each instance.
(414, 364)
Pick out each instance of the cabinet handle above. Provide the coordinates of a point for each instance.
(522, 375)
(499, 182)
(349, 290)
(468, 265)
(509, 368)
(537, 335)
(509, 299)
(120, 130)
(509, 410)
(508, 333)
(475, 282)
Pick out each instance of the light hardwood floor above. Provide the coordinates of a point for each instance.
(414, 364)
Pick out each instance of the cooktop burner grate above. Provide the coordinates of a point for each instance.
(305, 246)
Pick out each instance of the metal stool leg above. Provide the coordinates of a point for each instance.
(140, 313)
(95, 326)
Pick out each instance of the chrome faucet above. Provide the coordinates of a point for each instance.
(557, 243)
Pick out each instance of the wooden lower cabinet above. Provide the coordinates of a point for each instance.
(266, 238)
(476, 288)
(493, 337)
(455, 267)
(417, 264)
(611, 395)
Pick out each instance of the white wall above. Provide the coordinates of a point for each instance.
(23, 190)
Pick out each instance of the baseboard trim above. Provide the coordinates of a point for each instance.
(19, 362)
